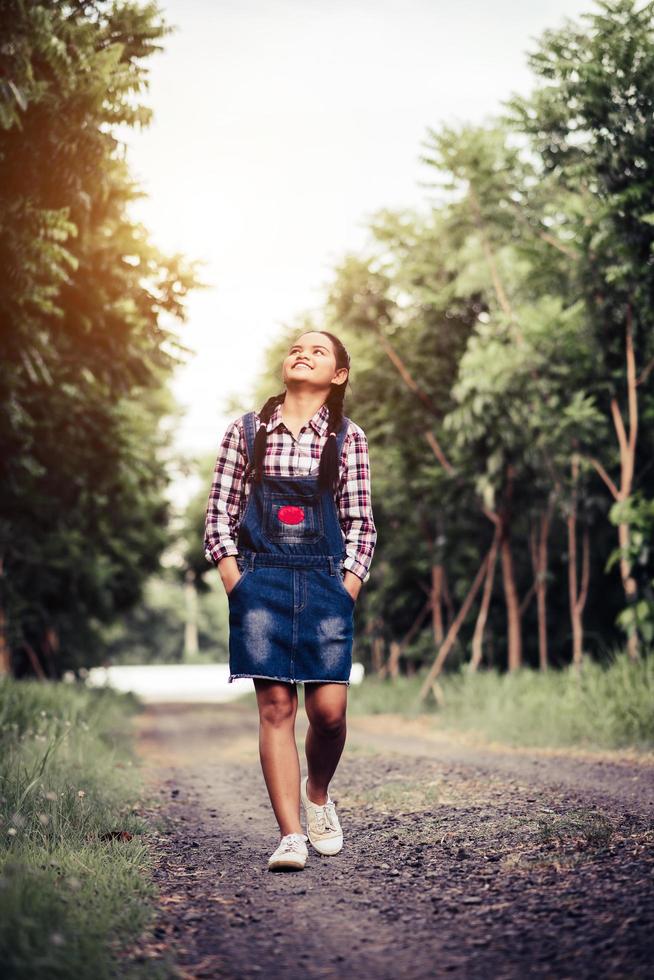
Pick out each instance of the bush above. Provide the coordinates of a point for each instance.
(609, 705)
(71, 889)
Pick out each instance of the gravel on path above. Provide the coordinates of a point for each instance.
(460, 859)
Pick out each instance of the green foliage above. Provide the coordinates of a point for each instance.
(591, 122)
(69, 899)
(86, 347)
(507, 304)
(638, 515)
(609, 706)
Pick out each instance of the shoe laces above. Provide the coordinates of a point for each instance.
(291, 842)
(326, 817)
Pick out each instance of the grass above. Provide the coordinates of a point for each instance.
(405, 796)
(73, 894)
(601, 706)
(594, 827)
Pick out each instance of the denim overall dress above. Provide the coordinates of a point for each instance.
(290, 615)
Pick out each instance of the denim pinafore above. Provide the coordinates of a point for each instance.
(290, 615)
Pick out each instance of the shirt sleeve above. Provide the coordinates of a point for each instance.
(225, 497)
(354, 501)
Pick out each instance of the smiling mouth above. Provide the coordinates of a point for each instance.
(302, 364)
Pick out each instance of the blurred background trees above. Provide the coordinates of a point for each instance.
(502, 347)
(502, 359)
(86, 310)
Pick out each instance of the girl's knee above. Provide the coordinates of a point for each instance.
(329, 723)
(277, 710)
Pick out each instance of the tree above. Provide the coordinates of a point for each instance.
(86, 345)
(591, 122)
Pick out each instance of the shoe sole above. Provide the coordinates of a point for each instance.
(330, 853)
(316, 844)
(284, 865)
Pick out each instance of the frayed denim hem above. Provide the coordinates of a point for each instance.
(292, 680)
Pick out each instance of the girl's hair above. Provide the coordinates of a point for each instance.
(328, 469)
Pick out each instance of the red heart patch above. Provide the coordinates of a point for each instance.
(290, 515)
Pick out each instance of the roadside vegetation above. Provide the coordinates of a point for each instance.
(75, 885)
(607, 705)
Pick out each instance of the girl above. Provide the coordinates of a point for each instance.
(293, 542)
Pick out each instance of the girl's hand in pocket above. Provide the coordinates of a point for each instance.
(230, 573)
(233, 584)
(352, 583)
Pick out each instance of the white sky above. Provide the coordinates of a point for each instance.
(279, 127)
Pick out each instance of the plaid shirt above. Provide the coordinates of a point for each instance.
(286, 456)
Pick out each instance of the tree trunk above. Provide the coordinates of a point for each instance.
(541, 589)
(575, 617)
(449, 605)
(416, 624)
(378, 656)
(453, 631)
(539, 559)
(394, 660)
(629, 586)
(437, 603)
(512, 601)
(577, 597)
(191, 645)
(34, 661)
(5, 652)
(480, 625)
(627, 444)
(511, 598)
(50, 649)
(397, 649)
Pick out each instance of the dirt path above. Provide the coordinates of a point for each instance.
(459, 859)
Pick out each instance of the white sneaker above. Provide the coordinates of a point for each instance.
(323, 827)
(291, 853)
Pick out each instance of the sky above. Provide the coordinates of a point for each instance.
(280, 127)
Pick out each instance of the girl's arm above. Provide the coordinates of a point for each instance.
(354, 501)
(224, 506)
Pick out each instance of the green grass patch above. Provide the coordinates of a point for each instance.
(75, 887)
(593, 826)
(405, 796)
(599, 706)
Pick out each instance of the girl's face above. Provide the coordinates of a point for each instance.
(311, 362)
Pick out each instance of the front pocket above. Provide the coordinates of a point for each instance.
(339, 577)
(290, 519)
(239, 582)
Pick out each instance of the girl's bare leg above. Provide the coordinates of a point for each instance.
(278, 752)
(325, 706)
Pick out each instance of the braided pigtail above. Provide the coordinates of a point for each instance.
(328, 471)
(262, 434)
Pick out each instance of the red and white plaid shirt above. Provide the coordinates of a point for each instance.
(286, 456)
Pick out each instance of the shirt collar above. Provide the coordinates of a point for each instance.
(319, 420)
